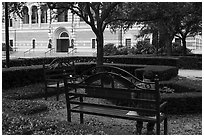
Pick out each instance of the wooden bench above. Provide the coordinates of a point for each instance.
(54, 74)
(108, 82)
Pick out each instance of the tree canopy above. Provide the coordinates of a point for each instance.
(170, 19)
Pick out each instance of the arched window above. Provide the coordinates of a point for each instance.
(64, 35)
(34, 14)
(44, 14)
(25, 15)
(62, 15)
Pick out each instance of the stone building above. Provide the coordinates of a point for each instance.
(42, 30)
(41, 26)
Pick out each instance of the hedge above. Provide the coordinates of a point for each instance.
(143, 60)
(139, 60)
(186, 102)
(190, 62)
(164, 72)
(21, 76)
(185, 62)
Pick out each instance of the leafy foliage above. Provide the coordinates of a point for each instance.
(177, 49)
(144, 47)
(109, 49)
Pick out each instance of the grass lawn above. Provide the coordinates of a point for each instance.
(24, 111)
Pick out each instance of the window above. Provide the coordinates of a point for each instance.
(62, 15)
(10, 23)
(11, 43)
(93, 43)
(178, 41)
(33, 43)
(190, 38)
(25, 15)
(44, 15)
(34, 14)
(128, 42)
(64, 35)
(147, 40)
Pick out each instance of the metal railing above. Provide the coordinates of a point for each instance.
(51, 49)
(28, 51)
(74, 50)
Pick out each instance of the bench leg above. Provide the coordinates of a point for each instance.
(81, 114)
(81, 118)
(45, 92)
(158, 128)
(69, 117)
(68, 107)
(58, 90)
(165, 126)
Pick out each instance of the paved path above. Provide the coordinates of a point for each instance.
(192, 74)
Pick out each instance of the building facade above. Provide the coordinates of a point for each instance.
(39, 27)
(42, 29)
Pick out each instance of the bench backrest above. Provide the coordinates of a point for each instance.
(110, 85)
(57, 69)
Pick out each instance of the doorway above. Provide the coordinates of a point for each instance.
(63, 42)
(62, 45)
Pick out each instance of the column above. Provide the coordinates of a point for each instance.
(21, 23)
(30, 18)
(39, 17)
(48, 16)
(73, 29)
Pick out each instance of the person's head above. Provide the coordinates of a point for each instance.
(148, 74)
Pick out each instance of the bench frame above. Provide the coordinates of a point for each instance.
(54, 74)
(92, 86)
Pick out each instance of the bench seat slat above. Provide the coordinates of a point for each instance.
(153, 111)
(112, 97)
(117, 113)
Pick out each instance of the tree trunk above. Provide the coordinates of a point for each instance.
(100, 42)
(7, 35)
(184, 46)
(168, 44)
(155, 40)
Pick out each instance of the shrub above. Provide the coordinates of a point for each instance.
(4, 47)
(122, 51)
(143, 60)
(177, 49)
(109, 49)
(144, 47)
(164, 72)
(185, 102)
(21, 76)
(190, 62)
